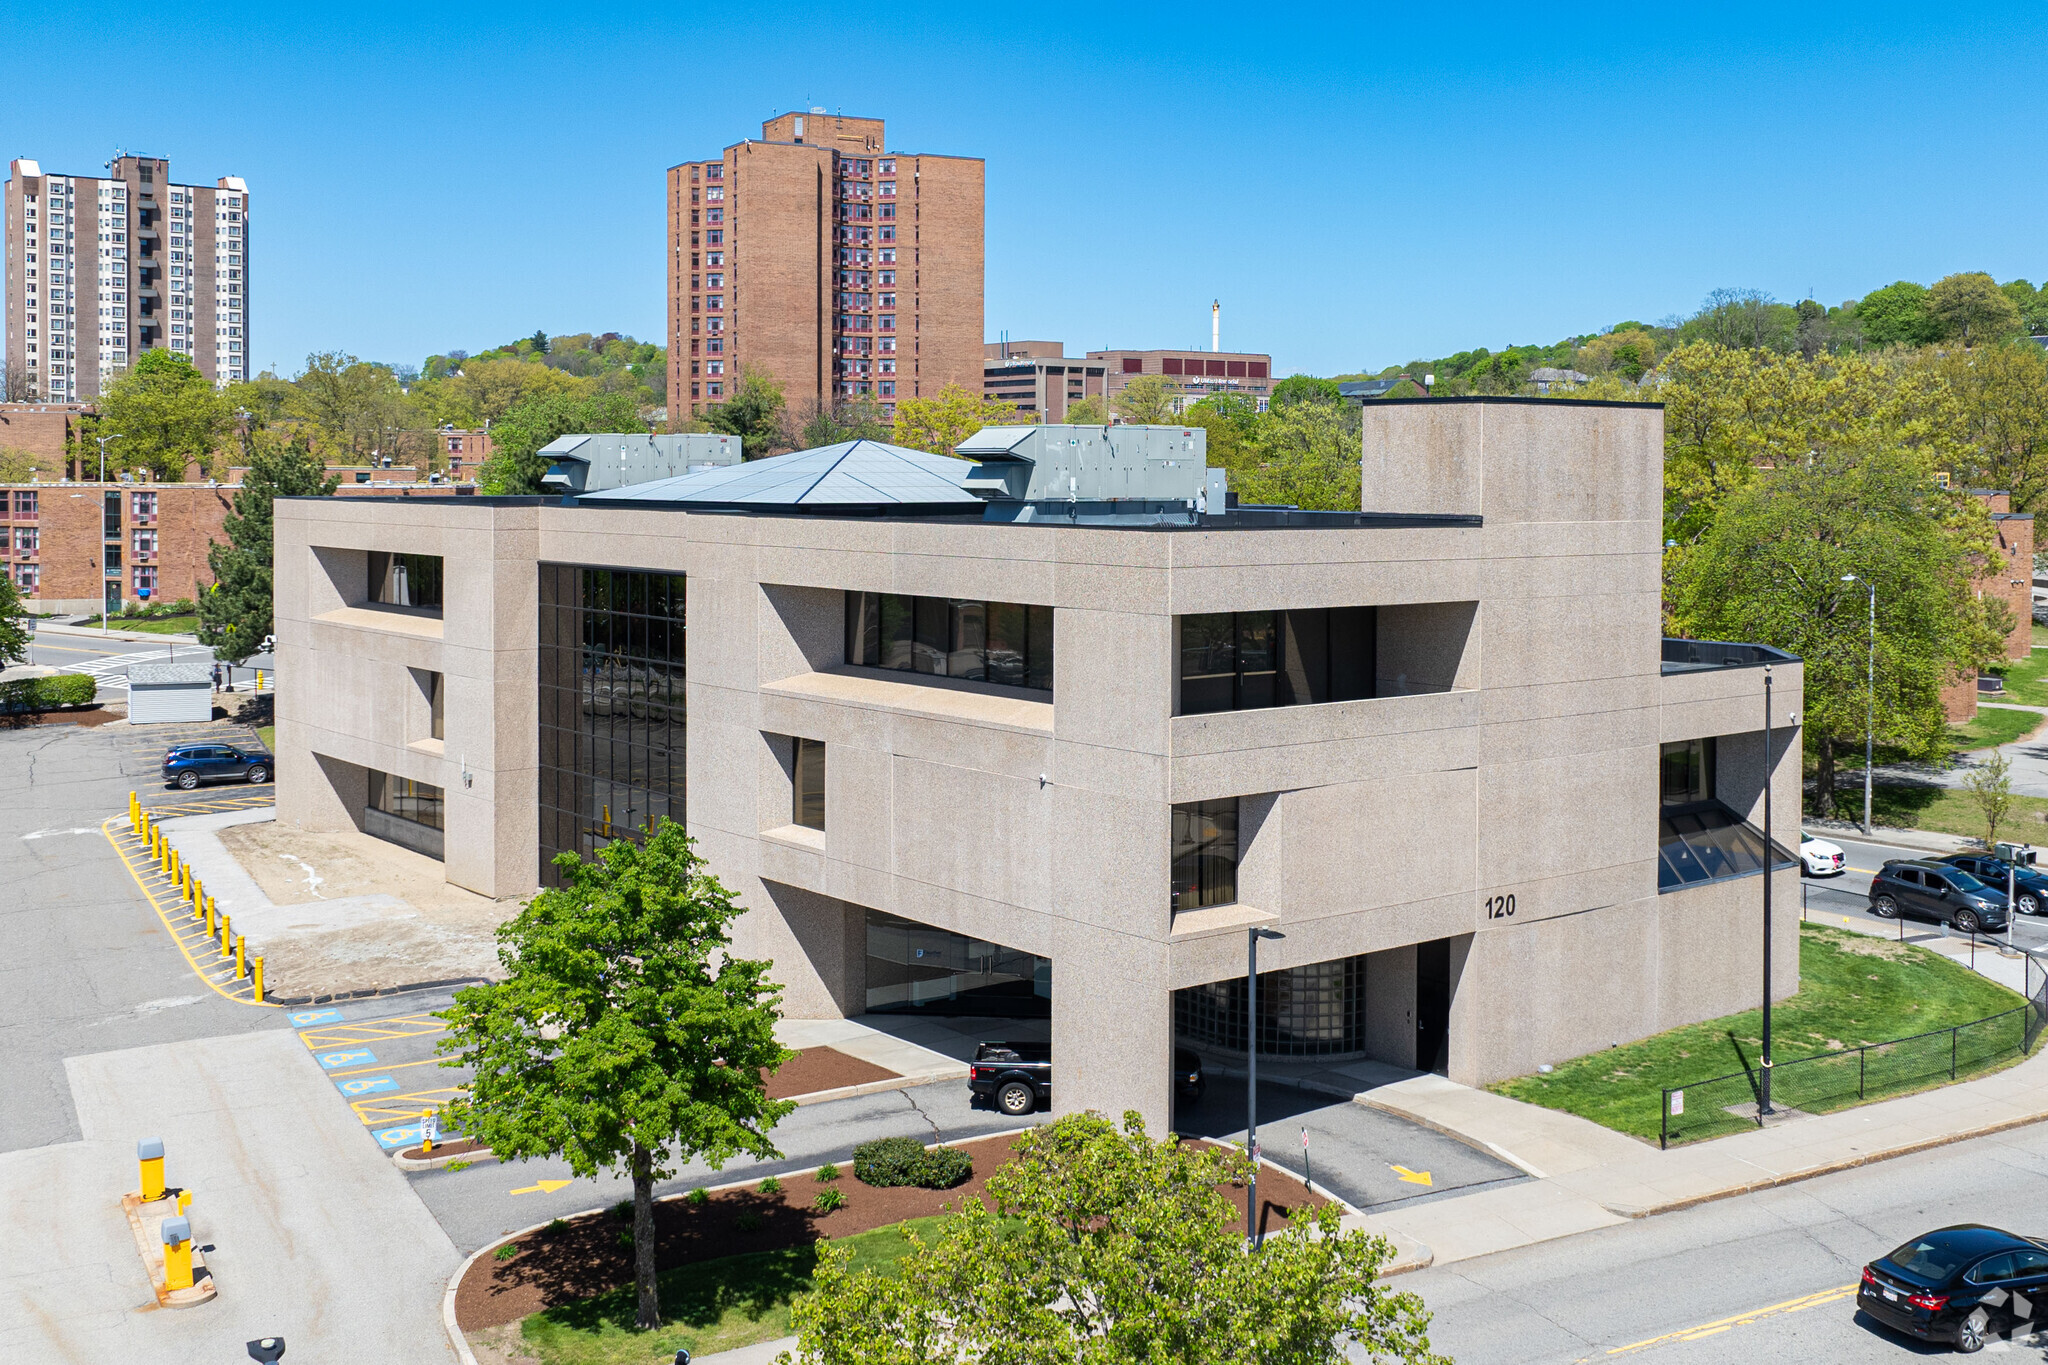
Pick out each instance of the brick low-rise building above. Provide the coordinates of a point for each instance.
(1197, 374)
(71, 547)
(40, 429)
(2011, 578)
(1039, 377)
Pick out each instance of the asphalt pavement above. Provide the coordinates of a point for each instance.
(1831, 899)
(1768, 1276)
(107, 658)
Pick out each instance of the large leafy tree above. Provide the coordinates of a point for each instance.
(166, 414)
(626, 1036)
(1971, 309)
(753, 412)
(15, 636)
(1988, 414)
(1898, 315)
(860, 420)
(1148, 400)
(939, 423)
(516, 463)
(1770, 568)
(1104, 1247)
(235, 613)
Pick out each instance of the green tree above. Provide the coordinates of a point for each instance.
(1232, 421)
(1770, 569)
(1990, 787)
(1971, 309)
(235, 612)
(1148, 400)
(2032, 304)
(626, 1035)
(753, 412)
(167, 414)
(860, 420)
(1299, 388)
(939, 423)
(1898, 314)
(15, 634)
(1992, 407)
(1104, 1247)
(1307, 456)
(515, 465)
(1087, 412)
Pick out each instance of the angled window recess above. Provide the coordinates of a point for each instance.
(1006, 643)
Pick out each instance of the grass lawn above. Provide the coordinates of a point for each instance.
(268, 734)
(2026, 680)
(2040, 636)
(1994, 725)
(710, 1306)
(152, 625)
(1944, 811)
(1854, 989)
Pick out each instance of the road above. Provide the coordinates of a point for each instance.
(1834, 898)
(108, 659)
(1762, 1277)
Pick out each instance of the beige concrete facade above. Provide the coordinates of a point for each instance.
(1513, 748)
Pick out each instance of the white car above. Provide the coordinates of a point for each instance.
(1819, 858)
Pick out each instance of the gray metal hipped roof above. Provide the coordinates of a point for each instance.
(847, 477)
(172, 675)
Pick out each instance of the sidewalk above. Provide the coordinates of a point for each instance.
(132, 636)
(913, 1063)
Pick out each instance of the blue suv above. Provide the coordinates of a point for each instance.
(188, 765)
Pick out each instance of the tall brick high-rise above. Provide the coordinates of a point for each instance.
(841, 268)
(103, 268)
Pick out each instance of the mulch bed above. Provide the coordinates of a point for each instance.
(85, 716)
(452, 1147)
(822, 1068)
(585, 1257)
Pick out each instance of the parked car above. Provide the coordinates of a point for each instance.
(1921, 888)
(1017, 1077)
(187, 765)
(1962, 1285)
(1819, 858)
(2029, 884)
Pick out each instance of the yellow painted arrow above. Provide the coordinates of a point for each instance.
(543, 1187)
(1412, 1177)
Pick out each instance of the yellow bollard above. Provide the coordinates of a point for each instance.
(258, 982)
(224, 939)
(149, 1155)
(177, 1235)
(241, 962)
(134, 814)
(211, 908)
(204, 911)
(259, 680)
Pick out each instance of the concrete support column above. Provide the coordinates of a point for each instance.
(1390, 1005)
(819, 947)
(1112, 1026)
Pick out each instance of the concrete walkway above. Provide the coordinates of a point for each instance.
(913, 1062)
(310, 1232)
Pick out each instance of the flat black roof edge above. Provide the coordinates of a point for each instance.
(1514, 398)
(461, 499)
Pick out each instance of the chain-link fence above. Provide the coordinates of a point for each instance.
(1837, 1080)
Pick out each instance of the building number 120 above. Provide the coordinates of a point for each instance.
(1500, 907)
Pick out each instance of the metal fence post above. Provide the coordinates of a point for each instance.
(1664, 1121)
(1862, 1058)
(1951, 1054)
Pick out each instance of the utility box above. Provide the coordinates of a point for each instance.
(1088, 463)
(587, 464)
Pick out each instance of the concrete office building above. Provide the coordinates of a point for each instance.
(103, 268)
(1039, 377)
(844, 269)
(1057, 758)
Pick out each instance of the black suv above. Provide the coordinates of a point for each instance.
(1018, 1076)
(2029, 884)
(1922, 888)
(188, 765)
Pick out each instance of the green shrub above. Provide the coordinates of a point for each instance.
(44, 694)
(771, 1186)
(556, 1225)
(752, 1222)
(888, 1161)
(507, 1251)
(697, 1197)
(944, 1167)
(828, 1173)
(623, 1209)
(829, 1200)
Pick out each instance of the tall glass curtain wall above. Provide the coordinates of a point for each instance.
(914, 967)
(405, 580)
(950, 637)
(1245, 660)
(612, 719)
(1312, 1011)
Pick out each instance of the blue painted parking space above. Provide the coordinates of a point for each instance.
(355, 1056)
(407, 1136)
(366, 1085)
(308, 1018)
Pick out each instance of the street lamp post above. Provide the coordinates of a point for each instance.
(1869, 700)
(103, 527)
(1763, 1108)
(1251, 1085)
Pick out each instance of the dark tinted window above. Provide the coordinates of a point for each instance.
(807, 785)
(1686, 772)
(1936, 882)
(1929, 1258)
(1997, 1268)
(1909, 875)
(2030, 1263)
(1204, 854)
(1961, 880)
(999, 642)
(1247, 660)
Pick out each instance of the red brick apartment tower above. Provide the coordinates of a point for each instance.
(840, 267)
(103, 268)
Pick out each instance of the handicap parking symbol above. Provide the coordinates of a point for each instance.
(408, 1136)
(305, 1018)
(355, 1056)
(366, 1085)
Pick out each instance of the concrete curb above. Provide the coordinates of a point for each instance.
(1477, 1144)
(848, 1092)
(371, 993)
(435, 1163)
(130, 636)
(1926, 841)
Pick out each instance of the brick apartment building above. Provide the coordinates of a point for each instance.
(153, 538)
(2010, 578)
(162, 265)
(43, 430)
(1197, 374)
(1039, 377)
(842, 268)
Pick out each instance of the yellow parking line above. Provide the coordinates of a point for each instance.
(218, 974)
(383, 1109)
(1708, 1329)
(399, 1026)
(388, 1066)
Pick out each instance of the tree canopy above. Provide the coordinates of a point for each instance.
(1103, 1247)
(15, 628)
(754, 413)
(236, 611)
(1148, 400)
(626, 1035)
(166, 416)
(939, 423)
(516, 465)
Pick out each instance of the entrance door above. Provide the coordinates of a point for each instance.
(1433, 1005)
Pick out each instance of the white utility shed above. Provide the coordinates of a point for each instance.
(169, 692)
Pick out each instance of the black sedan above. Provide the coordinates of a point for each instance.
(1963, 1285)
(188, 765)
(2029, 884)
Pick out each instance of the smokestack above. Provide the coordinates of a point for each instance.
(1216, 325)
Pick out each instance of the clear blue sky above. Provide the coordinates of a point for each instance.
(1358, 187)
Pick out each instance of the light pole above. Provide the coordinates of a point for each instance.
(1763, 1108)
(1869, 700)
(1251, 1085)
(103, 524)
